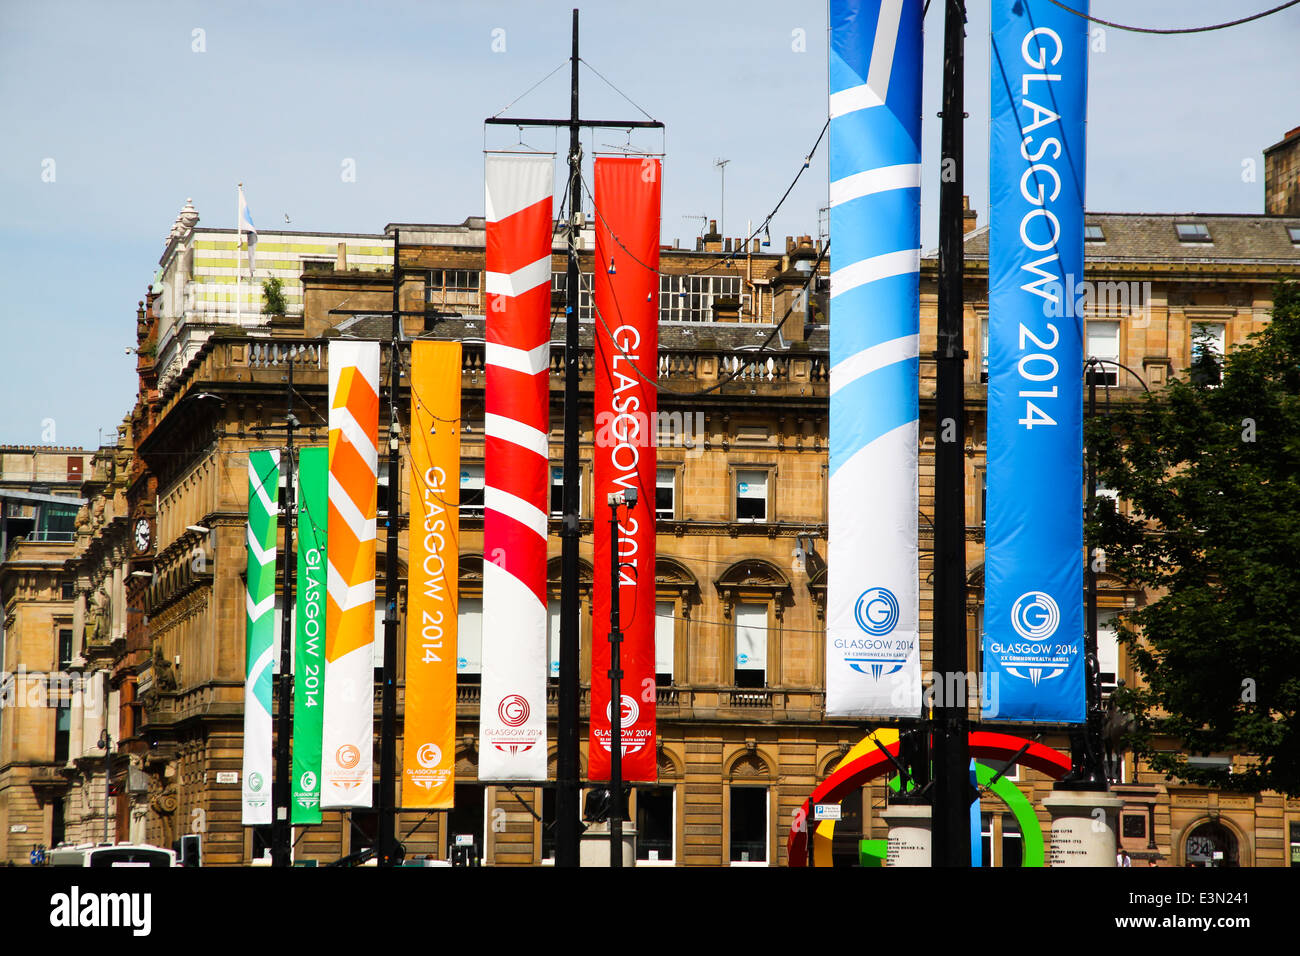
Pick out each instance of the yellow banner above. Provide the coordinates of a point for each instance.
(429, 746)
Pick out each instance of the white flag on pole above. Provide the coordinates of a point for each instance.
(246, 226)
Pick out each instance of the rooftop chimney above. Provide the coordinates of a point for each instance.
(1282, 176)
(968, 222)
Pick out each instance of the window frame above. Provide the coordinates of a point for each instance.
(732, 787)
(635, 811)
(736, 468)
(767, 644)
(473, 510)
(1196, 232)
(673, 471)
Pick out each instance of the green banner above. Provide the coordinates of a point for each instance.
(309, 637)
(263, 488)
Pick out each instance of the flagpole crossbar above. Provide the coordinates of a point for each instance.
(586, 124)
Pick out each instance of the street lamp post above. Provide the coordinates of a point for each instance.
(616, 500)
(106, 744)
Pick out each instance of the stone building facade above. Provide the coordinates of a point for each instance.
(741, 498)
(39, 489)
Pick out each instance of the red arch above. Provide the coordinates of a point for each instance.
(982, 743)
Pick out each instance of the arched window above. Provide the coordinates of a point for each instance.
(676, 593)
(1210, 845)
(748, 812)
(755, 594)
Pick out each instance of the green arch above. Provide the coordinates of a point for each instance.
(1015, 801)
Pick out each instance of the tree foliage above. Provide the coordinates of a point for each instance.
(1210, 469)
(273, 296)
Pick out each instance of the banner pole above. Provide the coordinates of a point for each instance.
(281, 837)
(567, 832)
(390, 854)
(951, 803)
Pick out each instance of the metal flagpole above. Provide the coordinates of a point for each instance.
(566, 772)
(239, 262)
(950, 806)
(280, 790)
(390, 853)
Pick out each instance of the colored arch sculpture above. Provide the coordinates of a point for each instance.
(872, 763)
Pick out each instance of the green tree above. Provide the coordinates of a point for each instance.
(1211, 470)
(273, 297)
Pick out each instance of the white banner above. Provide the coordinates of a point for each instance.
(347, 734)
(517, 484)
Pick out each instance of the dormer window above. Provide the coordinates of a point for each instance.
(1294, 233)
(1093, 233)
(1192, 232)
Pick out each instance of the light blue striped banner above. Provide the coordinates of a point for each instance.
(872, 629)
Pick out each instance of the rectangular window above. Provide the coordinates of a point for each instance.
(553, 639)
(984, 495)
(1295, 844)
(665, 629)
(666, 493)
(559, 285)
(1092, 233)
(1192, 232)
(471, 489)
(1013, 844)
(751, 645)
(453, 289)
(654, 824)
(691, 298)
(1207, 352)
(751, 495)
(469, 640)
(66, 589)
(1294, 233)
(65, 648)
(62, 728)
(1103, 343)
(749, 825)
(984, 350)
(1107, 649)
(557, 491)
(986, 839)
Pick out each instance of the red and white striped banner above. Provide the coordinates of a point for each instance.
(348, 732)
(512, 718)
(627, 360)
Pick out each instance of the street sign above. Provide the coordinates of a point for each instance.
(227, 776)
(826, 811)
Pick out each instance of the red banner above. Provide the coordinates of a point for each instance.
(627, 359)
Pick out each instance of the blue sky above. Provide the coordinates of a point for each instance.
(136, 121)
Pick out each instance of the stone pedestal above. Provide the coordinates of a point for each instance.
(909, 835)
(593, 850)
(1084, 825)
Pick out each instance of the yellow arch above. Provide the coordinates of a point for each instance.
(824, 832)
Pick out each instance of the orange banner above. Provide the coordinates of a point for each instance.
(429, 741)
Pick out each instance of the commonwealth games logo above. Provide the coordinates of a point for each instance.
(307, 782)
(876, 611)
(255, 782)
(429, 756)
(513, 711)
(1035, 615)
(348, 756)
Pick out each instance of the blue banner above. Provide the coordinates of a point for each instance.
(873, 640)
(1033, 582)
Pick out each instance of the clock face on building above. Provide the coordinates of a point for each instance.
(142, 534)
